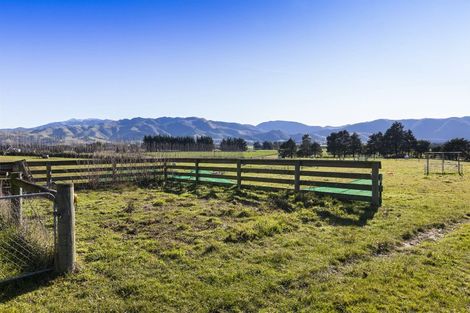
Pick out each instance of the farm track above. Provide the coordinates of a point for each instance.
(434, 234)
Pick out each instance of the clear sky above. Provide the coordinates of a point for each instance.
(318, 62)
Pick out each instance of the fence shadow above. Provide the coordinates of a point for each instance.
(355, 216)
(334, 212)
(13, 289)
(179, 187)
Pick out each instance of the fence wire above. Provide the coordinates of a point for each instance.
(27, 240)
(438, 166)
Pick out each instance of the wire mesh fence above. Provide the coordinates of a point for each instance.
(27, 236)
(443, 166)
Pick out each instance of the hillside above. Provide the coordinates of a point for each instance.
(435, 130)
(134, 129)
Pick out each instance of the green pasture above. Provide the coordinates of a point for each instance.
(184, 249)
(176, 154)
(215, 154)
(13, 158)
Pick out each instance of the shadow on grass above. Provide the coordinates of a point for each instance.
(334, 212)
(228, 193)
(179, 187)
(15, 288)
(356, 215)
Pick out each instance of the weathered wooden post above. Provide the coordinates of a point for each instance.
(380, 188)
(442, 164)
(165, 171)
(427, 163)
(375, 185)
(65, 210)
(16, 204)
(49, 174)
(114, 171)
(239, 174)
(196, 164)
(297, 176)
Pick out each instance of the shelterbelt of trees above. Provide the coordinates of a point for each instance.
(178, 143)
(191, 143)
(233, 144)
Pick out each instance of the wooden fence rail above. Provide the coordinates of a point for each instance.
(353, 180)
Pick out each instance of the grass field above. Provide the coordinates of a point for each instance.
(216, 250)
(12, 158)
(217, 154)
(179, 154)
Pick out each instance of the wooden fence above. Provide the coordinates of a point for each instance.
(351, 180)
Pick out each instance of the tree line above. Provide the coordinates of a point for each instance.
(306, 149)
(266, 145)
(399, 142)
(454, 145)
(341, 144)
(177, 143)
(83, 150)
(191, 143)
(396, 142)
(233, 144)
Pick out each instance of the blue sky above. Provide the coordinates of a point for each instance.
(318, 62)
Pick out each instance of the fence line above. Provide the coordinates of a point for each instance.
(344, 179)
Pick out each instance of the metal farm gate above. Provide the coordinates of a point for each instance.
(36, 229)
(27, 236)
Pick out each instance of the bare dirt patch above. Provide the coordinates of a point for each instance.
(431, 234)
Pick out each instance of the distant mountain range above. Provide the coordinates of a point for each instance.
(432, 129)
(89, 130)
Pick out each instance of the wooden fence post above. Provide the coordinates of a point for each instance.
(16, 204)
(49, 174)
(380, 188)
(65, 210)
(114, 170)
(196, 163)
(165, 171)
(239, 174)
(427, 164)
(297, 176)
(375, 186)
(442, 164)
